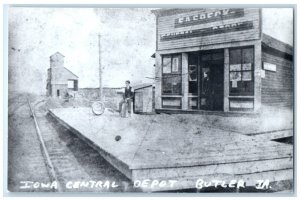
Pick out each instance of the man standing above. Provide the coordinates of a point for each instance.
(127, 98)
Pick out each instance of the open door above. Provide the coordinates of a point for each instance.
(211, 81)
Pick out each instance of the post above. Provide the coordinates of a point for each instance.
(226, 80)
(185, 82)
(158, 81)
(257, 76)
(100, 68)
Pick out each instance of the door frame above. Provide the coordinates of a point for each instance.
(200, 65)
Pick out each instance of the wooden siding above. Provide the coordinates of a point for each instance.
(138, 101)
(166, 24)
(144, 100)
(277, 87)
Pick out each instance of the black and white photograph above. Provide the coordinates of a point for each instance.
(151, 100)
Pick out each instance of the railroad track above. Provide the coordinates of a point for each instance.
(25, 159)
(48, 162)
(69, 159)
(61, 166)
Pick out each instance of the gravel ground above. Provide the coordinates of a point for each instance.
(25, 159)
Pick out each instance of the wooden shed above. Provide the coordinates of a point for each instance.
(144, 98)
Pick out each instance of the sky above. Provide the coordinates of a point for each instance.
(127, 43)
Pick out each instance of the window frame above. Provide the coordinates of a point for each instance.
(196, 55)
(242, 92)
(171, 74)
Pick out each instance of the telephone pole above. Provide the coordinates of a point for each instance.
(100, 68)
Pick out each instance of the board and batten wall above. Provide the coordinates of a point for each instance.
(144, 99)
(277, 86)
(208, 32)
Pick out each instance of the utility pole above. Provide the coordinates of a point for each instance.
(100, 68)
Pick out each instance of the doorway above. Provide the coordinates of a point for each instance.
(206, 80)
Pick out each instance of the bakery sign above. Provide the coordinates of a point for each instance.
(209, 25)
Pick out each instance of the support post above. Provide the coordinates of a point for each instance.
(158, 80)
(226, 80)
(257, 76)
(185, 82)
(100, 68)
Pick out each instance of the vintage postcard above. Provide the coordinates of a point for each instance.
(150, 100)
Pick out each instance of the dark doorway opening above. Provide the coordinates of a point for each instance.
(206, 80)
(57, 92)
(211, 80)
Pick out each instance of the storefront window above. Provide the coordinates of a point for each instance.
(241, 71)
(167, 63)
(171, 75)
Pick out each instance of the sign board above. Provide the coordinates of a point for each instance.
(263, 74)
(207, 26)
(269, 66)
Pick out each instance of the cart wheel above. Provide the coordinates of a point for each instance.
(98, 108)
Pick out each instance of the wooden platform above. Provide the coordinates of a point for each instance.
(154, 147)
(272, 135)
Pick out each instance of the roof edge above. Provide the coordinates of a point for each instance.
(277, 44)
(173, 11)
(71, 72)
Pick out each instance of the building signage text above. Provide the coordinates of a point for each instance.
(225, 28)
(208, 17)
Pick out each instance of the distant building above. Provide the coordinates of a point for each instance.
(60, 81)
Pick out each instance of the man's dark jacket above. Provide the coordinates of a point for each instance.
(128, 93)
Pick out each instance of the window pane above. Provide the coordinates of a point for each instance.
(171, 102)
(193, 59)
(248, 87)
(171, 84)
(193, 88)
(167, 64)
(236, 87)
(248, 55)
(235, 76)
(176, 64)
(167, 87)
(241, 82)
(218, 56)
(193, 103)
(247, 66)
(235, 56)
(206, 57)
(235, 67)
(193, 73)
(247, 75)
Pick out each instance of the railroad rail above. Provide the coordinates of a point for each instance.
(48, 162)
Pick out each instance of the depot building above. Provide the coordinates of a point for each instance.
(219, 60)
